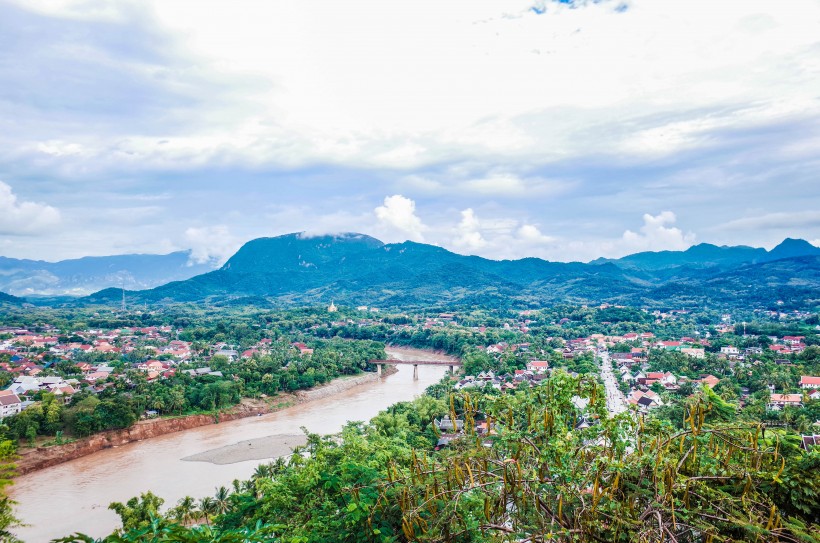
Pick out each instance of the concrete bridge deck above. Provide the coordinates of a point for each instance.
(416, 363)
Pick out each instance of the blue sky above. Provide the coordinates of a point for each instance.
(505, 129)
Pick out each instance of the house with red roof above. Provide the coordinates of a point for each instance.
(93, 377)
(538, 366)
(809, 382)
(778, 401)
(303, 349)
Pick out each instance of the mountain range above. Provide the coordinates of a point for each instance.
(82, 276)
(356, 269)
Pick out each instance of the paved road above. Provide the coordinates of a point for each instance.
(615, 401)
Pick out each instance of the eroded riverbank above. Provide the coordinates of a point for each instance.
(31, 460)
(74, 496)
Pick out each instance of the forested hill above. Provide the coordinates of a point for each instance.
(357, 269)
(8, 299)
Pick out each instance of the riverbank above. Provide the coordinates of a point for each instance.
(74, 496)
(37, 458)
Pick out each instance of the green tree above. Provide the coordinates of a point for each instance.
(138, 513)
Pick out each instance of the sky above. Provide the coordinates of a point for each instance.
(565, 130)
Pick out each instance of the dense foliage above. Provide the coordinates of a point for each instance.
(536, 477)
(129, 397)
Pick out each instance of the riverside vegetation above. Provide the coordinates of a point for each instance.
(535, 477)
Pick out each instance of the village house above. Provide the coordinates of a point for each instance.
(809, 382)
(644, 400)
(303, 349)
(622, 357)
(778, 401)
(793, 340)
(498, 348)
(230, 354)
(729, 351)
(10, 404)
(666, 379)
(710, 380)
(95, 376)
(693, 352)
(808, 442)
(669, 345)
(24, 384)
(538, 366)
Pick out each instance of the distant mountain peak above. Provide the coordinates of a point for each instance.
(790, 248)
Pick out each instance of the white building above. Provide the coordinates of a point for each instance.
(10, 404)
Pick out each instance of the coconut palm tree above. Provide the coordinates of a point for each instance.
(262, 471)
(221, 501)
(185, 511)
(206, 509)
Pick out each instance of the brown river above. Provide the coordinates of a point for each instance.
(74, 496)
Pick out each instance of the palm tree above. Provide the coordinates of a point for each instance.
(262, 471)
(184, 512)
(222, 500)
(206, 509)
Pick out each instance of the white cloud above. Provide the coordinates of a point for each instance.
(779, 220)
(213, 244)
(493, 184)
(498, 237)
(531, 234)
(24, 218)
(493, 79)
(655, 235)
(399, 214)
(469, 236)
(496, 184)
(498, 109)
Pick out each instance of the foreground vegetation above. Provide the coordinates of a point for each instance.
(535, 478)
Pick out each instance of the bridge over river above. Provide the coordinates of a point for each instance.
(416, 363)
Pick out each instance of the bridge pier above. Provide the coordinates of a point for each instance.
(379, 370)
(415, 372)
(452, 370)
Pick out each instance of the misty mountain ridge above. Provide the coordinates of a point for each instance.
(82, 276)
(295, 269)
(706, 255)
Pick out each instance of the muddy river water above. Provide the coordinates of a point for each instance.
(74, 496)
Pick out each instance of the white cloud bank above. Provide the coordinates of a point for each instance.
(655, 235)
(774, 221)
(490, 78)
(24, 218)
(398, 214)
(214, 244)
(512, 238)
